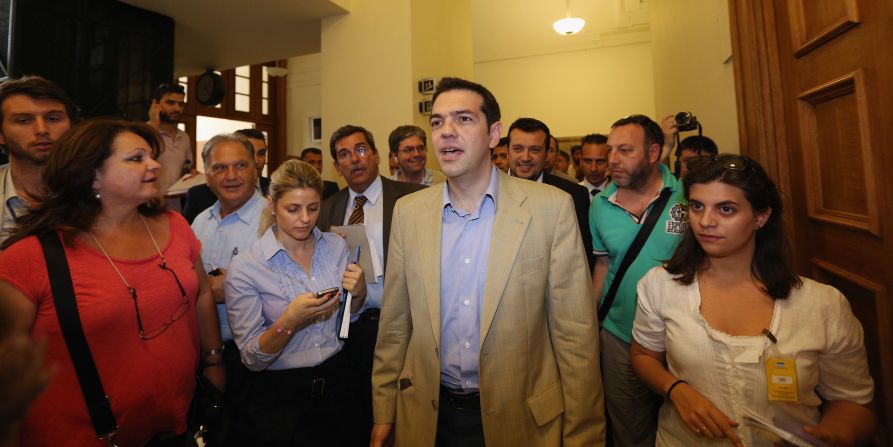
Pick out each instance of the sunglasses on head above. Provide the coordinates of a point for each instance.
(728, 162)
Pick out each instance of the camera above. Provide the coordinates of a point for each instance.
(685, 121)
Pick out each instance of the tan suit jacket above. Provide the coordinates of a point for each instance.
(540, 382)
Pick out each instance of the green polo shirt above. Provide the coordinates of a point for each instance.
(613, 230)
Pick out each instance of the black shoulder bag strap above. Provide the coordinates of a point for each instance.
(70, 322)
(633, 251)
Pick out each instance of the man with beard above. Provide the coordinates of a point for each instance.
(408, 146)
(369, 200)
(615, 217)
(34, 113)
(164, 114)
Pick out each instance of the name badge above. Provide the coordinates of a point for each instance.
(781, 379)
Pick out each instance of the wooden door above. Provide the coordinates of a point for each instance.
(814, 81)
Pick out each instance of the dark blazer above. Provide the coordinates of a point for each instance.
(329, 189)
(335, 207)
(580, 195)
(200, 198)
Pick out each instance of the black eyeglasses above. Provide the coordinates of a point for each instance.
(181, 309)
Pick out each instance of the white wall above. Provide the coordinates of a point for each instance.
(661, 71)
(574, 93)
(304, 102)
(693, 65)
(366, 74)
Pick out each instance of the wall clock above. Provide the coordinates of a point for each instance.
(209, 89)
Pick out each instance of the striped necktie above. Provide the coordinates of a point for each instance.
(357, 216)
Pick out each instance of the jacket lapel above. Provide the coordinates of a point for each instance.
(428, 236)
(509, 228)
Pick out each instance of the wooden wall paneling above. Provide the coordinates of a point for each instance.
(758, 88)
(820, 21)
(800, 95)
(866, 297)
(842, 189)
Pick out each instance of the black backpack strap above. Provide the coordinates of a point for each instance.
(644, 232)
(70, 322)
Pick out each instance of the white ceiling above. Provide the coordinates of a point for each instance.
(222, 34)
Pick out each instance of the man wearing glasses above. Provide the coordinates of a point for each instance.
(408, 147)
(615, 217)
(369, 200)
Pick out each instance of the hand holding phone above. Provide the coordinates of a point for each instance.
(330, 291)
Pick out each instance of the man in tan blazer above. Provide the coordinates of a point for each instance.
(503, 354)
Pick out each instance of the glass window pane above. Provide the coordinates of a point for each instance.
(243, 103)
(266, 90)
(264, 76)
(244, 71)
(243, 85)
(264, 106)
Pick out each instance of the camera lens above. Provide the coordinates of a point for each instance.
(683, 118)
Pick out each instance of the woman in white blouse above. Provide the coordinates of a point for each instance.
(727, 312)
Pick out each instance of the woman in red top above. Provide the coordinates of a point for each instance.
(142, 294)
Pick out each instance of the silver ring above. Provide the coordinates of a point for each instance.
(698, 431)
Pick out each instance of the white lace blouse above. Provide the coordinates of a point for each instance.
(814, 325)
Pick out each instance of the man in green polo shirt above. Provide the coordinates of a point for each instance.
(615, 217)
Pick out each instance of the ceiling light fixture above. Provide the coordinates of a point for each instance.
(568, 25)
(276, 71)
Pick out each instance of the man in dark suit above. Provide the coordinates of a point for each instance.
(528, 145)
(313, 157)
(368, 199)
(200, 197)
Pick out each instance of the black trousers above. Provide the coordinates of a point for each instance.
(305, 406)
(360, 350)
(235, 404)
(459, 421)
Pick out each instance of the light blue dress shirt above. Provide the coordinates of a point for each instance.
(263, 281)
(373, 219)
(224, 238)
(465, 249)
